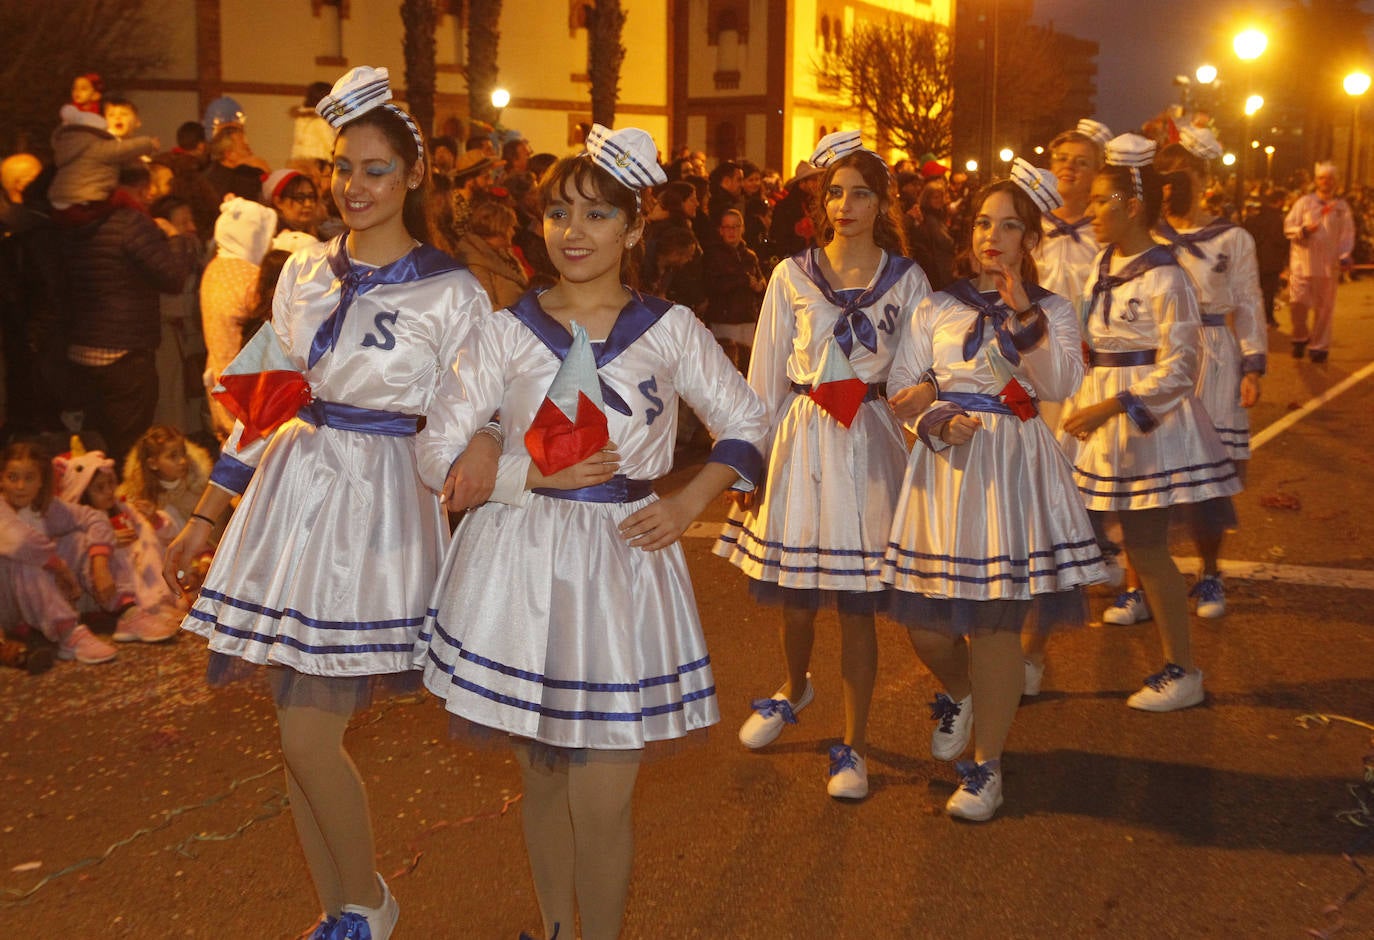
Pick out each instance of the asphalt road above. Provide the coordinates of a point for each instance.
(134, 802)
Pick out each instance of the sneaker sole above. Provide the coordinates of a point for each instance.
(1122, 621)
(755, 743)
(1162, 707)
(970, 817)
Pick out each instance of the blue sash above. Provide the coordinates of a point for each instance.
(342, 417)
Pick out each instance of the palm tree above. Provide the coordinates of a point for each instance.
(484, 36)
(605, 22)
(419, 18)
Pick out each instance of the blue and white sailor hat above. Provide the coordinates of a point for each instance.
(835, 145)
(1095, 131)
(359, 91)
(1130, 150)
(628, 154)
(1041, 185)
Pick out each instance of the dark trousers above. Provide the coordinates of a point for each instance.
(1269, 287)
(119, 399)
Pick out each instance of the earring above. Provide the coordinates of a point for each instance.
(630, 242)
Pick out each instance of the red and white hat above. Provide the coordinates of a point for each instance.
(274, 184)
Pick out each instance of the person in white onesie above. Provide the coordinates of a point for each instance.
(324, 572)
(989, 527)
(563, 620)
(1139, 439)
(831, 319)
(1321, 228)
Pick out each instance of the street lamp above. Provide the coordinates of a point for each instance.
(1206, 74)
(1355, 84)
(1228, 159)
(500, 98)
(971, 166)
(1269, 162)
(1249, 45)
(1006, 154)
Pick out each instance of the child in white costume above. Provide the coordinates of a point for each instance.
(1067, 247)
(831, 319)
(325, 570)
(564, 615)
(1220, 258)
(150, 611)
(989, 521)
(1139, 440)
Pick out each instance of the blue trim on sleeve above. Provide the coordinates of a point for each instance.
(231, 474)
(1137, 412)
(1255, 362)
(1028, 336)
(930, 422)
(742, 457)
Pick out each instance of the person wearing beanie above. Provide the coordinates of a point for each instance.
(228, 289)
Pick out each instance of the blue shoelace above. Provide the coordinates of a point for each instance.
(1208, 590)
(1127, 598)
(1170, 673)
(780, 707)
(842, 757)
(325, 930)
(975, 776)
(944, 710)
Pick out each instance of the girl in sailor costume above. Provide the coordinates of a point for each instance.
(989, 525)
(564, 617)
(1067, 247)
(1220, 257)
(325, 569)
(1139, 439)
(831, 319)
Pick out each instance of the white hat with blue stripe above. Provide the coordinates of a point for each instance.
(628, 154)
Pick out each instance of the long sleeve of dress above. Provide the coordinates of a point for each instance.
(773, 347)
(1053, 366)
(1175, 312)
(1251, 330)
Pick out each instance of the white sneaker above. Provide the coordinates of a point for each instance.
(1034, 676)
(85, 647)
(848, 774)
(980, 793)
(1169, 690)
(950, 737)
(1130, 607)
(1211, 596)
(770, 715)
(361, 922)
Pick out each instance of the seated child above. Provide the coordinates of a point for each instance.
(51, 553)
(165, 471)
(150, 612)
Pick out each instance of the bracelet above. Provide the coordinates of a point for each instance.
(203, 518)
(494, 432)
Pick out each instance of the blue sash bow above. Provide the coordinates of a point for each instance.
(1062, 228)
(1156, 257)
(1190, 241)
(420, 262)
(852, 323)
(994, 311)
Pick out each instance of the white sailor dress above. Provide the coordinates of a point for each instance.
(545, 623)
(1142, 328)
(825, 512)
(327, 563)
(998, 518)
(1220, 258)
(1064, 256)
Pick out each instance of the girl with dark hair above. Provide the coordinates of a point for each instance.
(564, 620)
(989, 527)
(831, 320)
(1221, 259)
(1139, 440)
(324, 571)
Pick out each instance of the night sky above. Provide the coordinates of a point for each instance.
(1145, 43)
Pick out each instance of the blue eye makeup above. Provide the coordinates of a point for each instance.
(383, 170)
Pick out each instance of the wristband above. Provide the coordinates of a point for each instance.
(493, 431)
(203, 518)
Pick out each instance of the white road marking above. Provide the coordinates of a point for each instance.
(1293, 417)
(1289, 574)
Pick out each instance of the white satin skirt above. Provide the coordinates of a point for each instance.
(1218, 389)
(998, 518)
(827, 501)
(327, 565)
(548, 625)
(1182, 460)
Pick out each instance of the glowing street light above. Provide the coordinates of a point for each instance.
(1206, 74)
(1228, 159)
(1253, 104)
(1250, 44)
(500, 98)
(1355, 84)
(1005, 154)
(971, 166)
(1269, 162)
